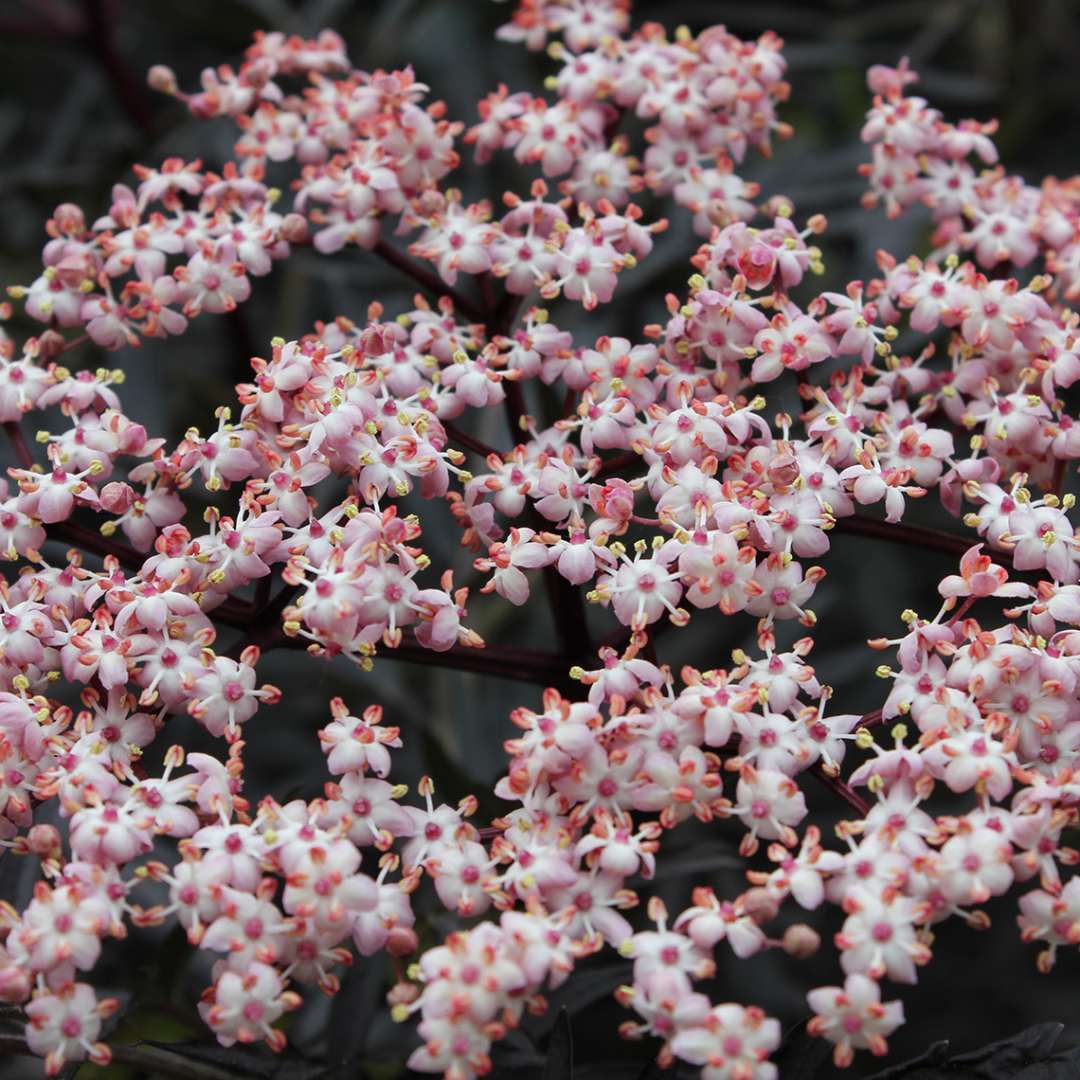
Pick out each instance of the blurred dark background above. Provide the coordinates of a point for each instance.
(75, 115)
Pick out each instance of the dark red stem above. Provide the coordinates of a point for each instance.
(506, 662)
(22, 450)
(845, 791)
(908, 535)
(470, 442)
(427, 279)
(129, 92)
(871, 720)
(617, 464)
(1057, 484)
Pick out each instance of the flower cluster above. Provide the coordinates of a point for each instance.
(664, 491)
(112, 279)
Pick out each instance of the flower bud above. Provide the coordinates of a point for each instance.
(402, 993)
(801, 941)
(162, 79)
(783, 470)
(69, 219)
(294, 228)
(760, 905)
(117, 497)
(258, 73)
(402, 941)
(43, 841)
(50, 343)
(14, 985)
(779, 206)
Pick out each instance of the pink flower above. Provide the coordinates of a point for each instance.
(853, 1017)
(979, 576)
(243, 1006)
(63, 1025)
(643, 589)
(732, 1043)
(768, 804)
(878, 938)
(356, 745)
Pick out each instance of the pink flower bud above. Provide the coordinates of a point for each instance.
(376, 339)
(162, 79)
(14, 984)
(888, 81)
(402, 993)
(50, 343)
(117, 497)
(801, 941)
(43, 841)
(294, 228)
(402, 941)
(760, 905)
(69, 218)
(258, 74)
(783, 470)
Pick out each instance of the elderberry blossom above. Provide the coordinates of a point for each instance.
(853, 1017)
(657, 477)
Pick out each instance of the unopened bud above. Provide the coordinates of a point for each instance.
(783, 469)
(399, 996)
(50, 343)
(294, 228)
(801, 941)
(69, 218)
(14, 985)
(162, 79)
(43, 841)
(402, 941)
(760, 905)
(117, 497)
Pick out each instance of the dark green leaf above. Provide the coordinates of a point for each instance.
(652, 1071)
(933, 1057)
(1027, 1055)
(560, 1059)
(244, 1063)
(351, 1012)
(589, 986)
(802, 1056)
